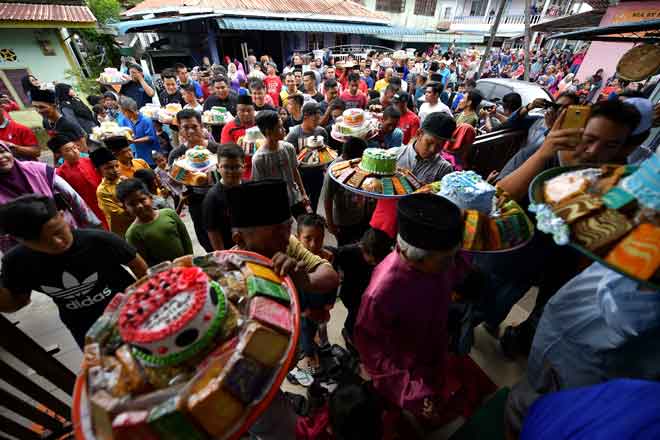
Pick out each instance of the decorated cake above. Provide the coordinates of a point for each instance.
(468, 191)
(194, 167)
(252, 140)
(110, 75)
(195, 350)
(167, 114)
(379, 178)
(355, 122)
(378, 161)
(315, 153)
(109, 129)
(150, 110)
(608, 213)
(216, 116)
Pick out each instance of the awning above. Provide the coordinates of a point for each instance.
(435, 37)
(258, 24)
(635, 32)
(124, 27)
(570, 22)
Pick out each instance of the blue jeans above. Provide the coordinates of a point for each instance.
(308, 329)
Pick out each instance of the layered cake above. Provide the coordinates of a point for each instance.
(216, 116)
(109, 129)
(468, 191)
(177, 358)
(610, 214)
(378, 161)
(252, 140)
(194, 167)
(354, 122)
(315, 153)
(379, 177)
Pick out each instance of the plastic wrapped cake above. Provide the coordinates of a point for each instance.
(252, 140)
(194, 167)
(375, 174)
(195, 350)
(112, 76)
(610, 213)
(109, 129)
(167, 114)
(355, 122)
(216, 116)
(315, 153)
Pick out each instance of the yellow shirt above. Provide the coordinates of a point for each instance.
(118, 219)
(381, 85)
(298, 252)
(284, 96)
(136, 164)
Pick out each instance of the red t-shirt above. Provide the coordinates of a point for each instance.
(273, 88)
(409, 124)
(354, 101)
(84, 178)
(233, 133)
(18, 134)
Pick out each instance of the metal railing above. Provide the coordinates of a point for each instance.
(490, 19)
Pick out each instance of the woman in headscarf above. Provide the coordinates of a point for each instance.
(18, 178)
(235, 76)
(564, 84)
(73, 108)
(29, 83)
(596, 82)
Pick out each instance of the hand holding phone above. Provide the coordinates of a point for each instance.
(576, 116)
(560, 139)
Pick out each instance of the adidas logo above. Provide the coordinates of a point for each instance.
(72, 288)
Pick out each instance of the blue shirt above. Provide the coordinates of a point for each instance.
(135, 90)
(445, 75)
(141, 128)
(369, 80)
(198, 88)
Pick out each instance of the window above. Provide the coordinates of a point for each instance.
(396, 6)
(447, 13)
(342, 39)
(478, 7)
(425, 7)
(314, 41)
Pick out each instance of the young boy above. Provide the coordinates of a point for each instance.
(80, 269)
(79, 172)
(315, 308)
(158, 235)
(355, 262)
(468, 107)
(190, 98)
(277, 159)
(106, 194)
(149, 179)
(231, 164)
(171, 186)
(122, 151)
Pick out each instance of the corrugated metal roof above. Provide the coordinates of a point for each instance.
(46, 12)
(312, 7)
(256, 24)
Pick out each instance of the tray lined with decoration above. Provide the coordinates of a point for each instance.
(197, 349)
(607, 212)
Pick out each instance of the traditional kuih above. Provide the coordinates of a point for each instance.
(216, 116)
(252, 140)
(109, 129)
(609, 213)
(192, 351)
(194, 167)
(375, 174)
(354, 122)
(493, 221)
(315, 153)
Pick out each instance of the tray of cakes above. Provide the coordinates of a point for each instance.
(315, 153)
(375, 175)
(493, 222)
(216, 116)
(167, 114)
(150, 110)
(252, 140)
(610, 213)
(109, 129)
(113, 77)
(354, 122)
(195, 167)
(197, 349)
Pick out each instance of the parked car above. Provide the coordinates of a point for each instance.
(493, 89)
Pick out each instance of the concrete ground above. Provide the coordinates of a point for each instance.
(40, 320)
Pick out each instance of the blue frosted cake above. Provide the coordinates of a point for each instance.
(644, 183)
(468, 191)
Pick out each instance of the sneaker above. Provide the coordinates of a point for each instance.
(301, 377)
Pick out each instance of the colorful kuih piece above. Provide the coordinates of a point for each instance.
(602, 229)
(132, 425)
(271, 313)
(578, 207)
(639, 253)
(170, 422)
(263, 272)
(245, 379)
(214, 408)
(261, 286)
(264, 345)
(618, 198)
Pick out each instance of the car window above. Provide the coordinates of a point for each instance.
(485, 88)
(500, 90)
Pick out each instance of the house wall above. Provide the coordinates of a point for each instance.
(606, 55)
(30, 56)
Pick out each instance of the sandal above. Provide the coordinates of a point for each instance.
(299, 376)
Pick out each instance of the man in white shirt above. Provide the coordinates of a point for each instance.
(432, 102)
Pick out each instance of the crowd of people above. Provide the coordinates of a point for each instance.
(71, 229)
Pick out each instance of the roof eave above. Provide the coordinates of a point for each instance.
(33, 24)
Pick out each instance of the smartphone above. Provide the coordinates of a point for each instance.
(549, 104)
(576, 116)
